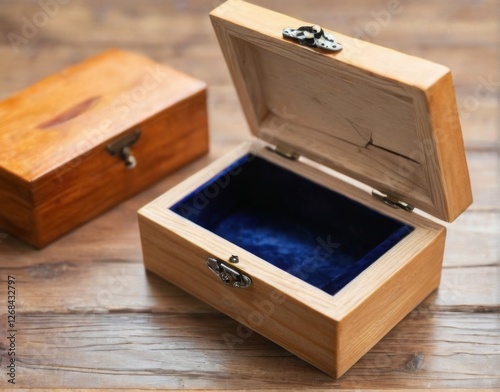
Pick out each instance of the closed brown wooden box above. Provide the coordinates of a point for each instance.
(79, 142)
(323, 262)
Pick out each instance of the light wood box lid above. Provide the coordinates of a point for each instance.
(382, 117)
(70, 113)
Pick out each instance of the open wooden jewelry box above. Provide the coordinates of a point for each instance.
(274, 238)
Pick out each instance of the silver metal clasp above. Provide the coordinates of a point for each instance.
(313, 36)
(121, 148)
(392, 201)
(228, 275)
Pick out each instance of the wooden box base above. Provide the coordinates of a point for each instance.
(329, 331)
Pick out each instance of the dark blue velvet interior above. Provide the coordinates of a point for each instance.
(299, 226)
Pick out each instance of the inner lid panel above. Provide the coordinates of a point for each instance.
(367, 128)
(384, 118)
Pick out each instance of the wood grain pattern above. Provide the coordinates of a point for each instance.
(54, 137)
(104, 96)
(380, 116)
(94, 276)
(164, 351)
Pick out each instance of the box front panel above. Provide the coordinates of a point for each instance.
(16, 211)
(261, 307)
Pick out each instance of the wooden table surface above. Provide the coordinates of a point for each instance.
(89, 316)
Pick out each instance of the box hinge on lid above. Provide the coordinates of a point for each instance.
(285, 152)
(392, 201)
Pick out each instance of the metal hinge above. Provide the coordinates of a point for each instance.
(285, 152)
(392, 201)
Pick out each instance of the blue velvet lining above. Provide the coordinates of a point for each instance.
(309, 231)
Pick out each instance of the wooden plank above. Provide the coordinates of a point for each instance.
(118, 283)
(293, 388)
(190, 351)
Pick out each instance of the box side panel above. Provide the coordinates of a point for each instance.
(261, 307)
(16, 211)
(453, 172)
(89, 185)
(374, 317)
